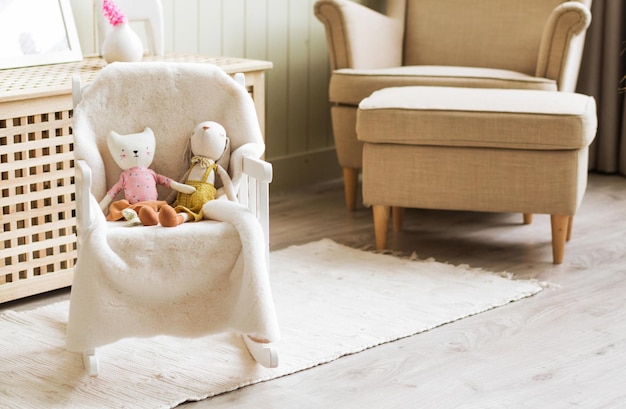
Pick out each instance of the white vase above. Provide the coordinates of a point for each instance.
(122, 44)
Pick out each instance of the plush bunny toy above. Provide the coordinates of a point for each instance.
(210, 147)
(134, 153)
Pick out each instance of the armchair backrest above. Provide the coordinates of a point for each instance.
(171, 99)
(543, 38)
(504, 34)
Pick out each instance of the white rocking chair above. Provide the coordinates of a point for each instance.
(216, 275)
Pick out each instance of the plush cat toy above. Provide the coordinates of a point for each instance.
(210, 147)
(134, 153)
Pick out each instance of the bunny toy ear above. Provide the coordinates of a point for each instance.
(224, 159)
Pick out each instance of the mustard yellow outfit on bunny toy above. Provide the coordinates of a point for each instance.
(205, 191)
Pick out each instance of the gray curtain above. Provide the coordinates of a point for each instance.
(602, 70)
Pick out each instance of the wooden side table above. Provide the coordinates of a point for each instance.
(37, 211)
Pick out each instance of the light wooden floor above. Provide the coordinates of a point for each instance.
(563, 348)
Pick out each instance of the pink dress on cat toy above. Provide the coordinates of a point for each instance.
(139, 186)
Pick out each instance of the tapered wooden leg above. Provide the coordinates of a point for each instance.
(350, 183)
(397, 217)
(559, 234)
(569, 228)
(381, 222)
(528, 218)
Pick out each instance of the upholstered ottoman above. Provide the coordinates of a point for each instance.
(490, 150)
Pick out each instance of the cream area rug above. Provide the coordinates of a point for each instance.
(331, 301)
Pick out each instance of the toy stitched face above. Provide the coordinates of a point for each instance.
(132, 150)
(209, 140)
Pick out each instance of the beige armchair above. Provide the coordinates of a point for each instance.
(516, 44)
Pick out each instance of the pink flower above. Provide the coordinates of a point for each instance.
(113, 13)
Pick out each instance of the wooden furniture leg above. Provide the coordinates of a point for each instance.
(350, 183)
(569, 228)
(397, 217)
(560, 227)
(528, 218)
(381, 222)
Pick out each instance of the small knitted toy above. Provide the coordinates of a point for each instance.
(210, 148)
(134, 154)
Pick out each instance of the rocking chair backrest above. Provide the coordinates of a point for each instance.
(170, 98)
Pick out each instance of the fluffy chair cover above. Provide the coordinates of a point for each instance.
(195, 279)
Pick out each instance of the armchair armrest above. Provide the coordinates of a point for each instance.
(352, 42)
(562, 44)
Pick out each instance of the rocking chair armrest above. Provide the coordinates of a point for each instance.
(257, 169)
(254, 191)
(83, 193)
